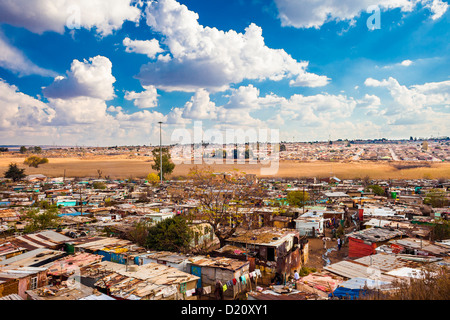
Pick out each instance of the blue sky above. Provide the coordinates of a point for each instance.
(102, 72)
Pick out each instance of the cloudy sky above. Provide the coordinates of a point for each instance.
(104, 72)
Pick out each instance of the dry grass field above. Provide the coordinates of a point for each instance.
(124, 167)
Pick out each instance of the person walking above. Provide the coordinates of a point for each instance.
(339, 243)
(296, 275)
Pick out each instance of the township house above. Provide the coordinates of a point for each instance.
(151, 281)
(28, 270)
(364, 242)
(270, 250)
(208, 269)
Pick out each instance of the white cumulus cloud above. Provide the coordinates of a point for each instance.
(19, 110)
(145, 99)
(89, 78)
(148, 47)
(205, 57)
(39, 16)
(14, 60)
(313, 13)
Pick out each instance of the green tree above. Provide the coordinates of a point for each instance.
(379, 191)
(35, 161)
(167, 164)
(41, 221)
(171, 234)
(297, 198)
(15, 173)
(441, 230)
(99, 185)
(139, 233)
(437, 198)
(37, 149)
(23, 149)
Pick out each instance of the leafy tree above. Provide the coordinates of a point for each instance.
(2, 149)
(153, 178)
(170, 234)
(282, 147)
(167, 164)
(297, 198)
(35, 161)
(99, 185)
(441, 230)
(437, 198)
(15, 173)
(139, 233)
(37, 149)
(379, 191)
(42, 221)
(23, 149)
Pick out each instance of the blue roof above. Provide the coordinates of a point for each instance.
(346, 293)
(354, 288)
(72, 214)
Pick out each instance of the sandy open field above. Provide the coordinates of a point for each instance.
(121, 167)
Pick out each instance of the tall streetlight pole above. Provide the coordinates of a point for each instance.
(160, 153)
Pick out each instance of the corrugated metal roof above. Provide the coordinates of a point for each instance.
(98, 297)
(149, 279)
(386, 262)
(264, 236)
(73, 262)
(406, 272)
(32, 257)
(12, 297)
(423, 245)
(361, 283)
(104, 243)
(44, 239)
(220, 262)
(350, 269)
(375, 234)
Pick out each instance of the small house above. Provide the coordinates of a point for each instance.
(272, 250)
(150, 281)
(17, 280)
(363, 243)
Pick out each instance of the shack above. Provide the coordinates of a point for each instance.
(112, 249)
(45, 239)
(17, 280)
(310, 224)
(272, 250)
(234, 275)
(151, 281)
(363, 243)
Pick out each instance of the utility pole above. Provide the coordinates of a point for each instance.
(304, 199)
(160, 153)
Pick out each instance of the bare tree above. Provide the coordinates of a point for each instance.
(223, 199)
